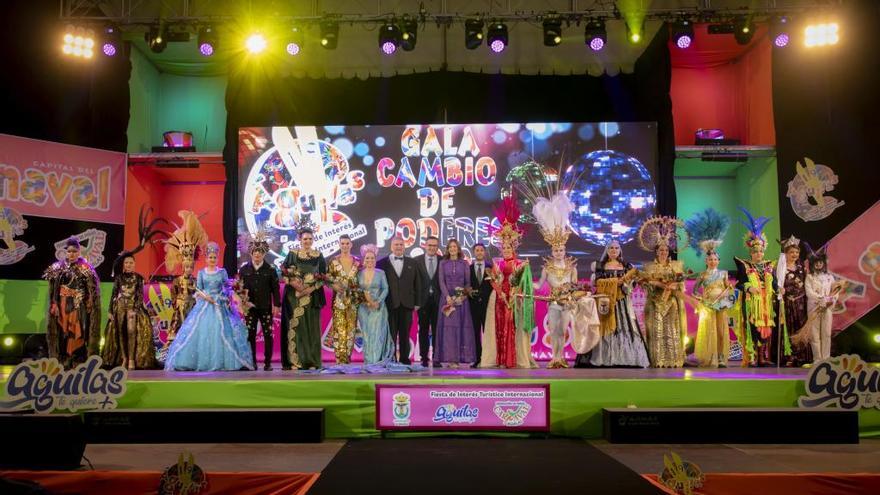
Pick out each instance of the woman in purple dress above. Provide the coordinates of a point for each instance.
(455, 332)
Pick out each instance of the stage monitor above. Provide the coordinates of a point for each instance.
(373, 182)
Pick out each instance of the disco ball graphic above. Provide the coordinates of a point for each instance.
(613, 194)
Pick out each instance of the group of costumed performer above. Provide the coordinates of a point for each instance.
(713, 294)
(128, 336)
(663, 281)
(509, 317)
(73, 330)
(212, 335)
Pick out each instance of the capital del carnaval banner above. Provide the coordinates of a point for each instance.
(43, 386)
(843, 382)
(52, 191)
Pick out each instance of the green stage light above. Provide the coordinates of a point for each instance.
(8, 341)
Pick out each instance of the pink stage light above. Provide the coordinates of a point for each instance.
(597, 44)
(497, 46)
(781, 40)
(293, 48)
(389, 48)
(684, 42)
(109, 49)
(206, 49)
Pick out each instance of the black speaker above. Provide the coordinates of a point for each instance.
(35, 441)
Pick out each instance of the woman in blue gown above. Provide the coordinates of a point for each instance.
(213, 336)
(372, 315)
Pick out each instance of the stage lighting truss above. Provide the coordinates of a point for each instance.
(409, 29)
(683, 33)
(155, 38)
(552, 31)
(779, 31)
(78, 42)
(389, 38)
(473, 33)
(497, 37)
(295, 41)
(207, 41)
(329, 34)
(595, 35)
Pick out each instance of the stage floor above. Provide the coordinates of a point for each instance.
(577, 396)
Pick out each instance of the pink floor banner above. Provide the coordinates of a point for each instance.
(854, 256)
(517, 407)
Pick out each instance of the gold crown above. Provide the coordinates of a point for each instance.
(508, 234)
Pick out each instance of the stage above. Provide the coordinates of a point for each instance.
(577, 396)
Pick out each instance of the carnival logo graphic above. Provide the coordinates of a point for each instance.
(844, 382)
(92, 241)
(807, 191)
(44, 386)
(869, 263)
(401, 409)
(12, 223)
(680, 476)
(300, 180)
(448, 413)
(183, 478)
(513, 412)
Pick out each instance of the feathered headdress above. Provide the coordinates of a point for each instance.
(707, 229)
(552, 217)
(305, 223)
(248, 242)
(508, 215)
(662, 231)
(146, 232)
(187, 239)
(755, 237)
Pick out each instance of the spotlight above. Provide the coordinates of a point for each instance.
(8, 341)
(743, 31)
(473, 33)
(595, 35)
(155, 38)
(207, 41)
(389, 38)
(552, 31)
(634, 34)
(821, 34)
(877, 338)
(410, 31)
(329, 34)
(256, 43)
(779, 32)
(111, 41)
(295, 41)
(497, 37)
(683, 33)
(78, 42)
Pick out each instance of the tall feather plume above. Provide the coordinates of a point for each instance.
(707, 229)
(755, 225)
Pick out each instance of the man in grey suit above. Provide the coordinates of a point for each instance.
(429, 266)
(404, 295)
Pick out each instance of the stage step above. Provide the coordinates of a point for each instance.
(302, 425)
(731, 425)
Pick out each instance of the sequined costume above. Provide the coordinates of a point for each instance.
(345, 307)
(301, 314)
(183, 300)
(128, 336)
(715, 295)
(73, 326)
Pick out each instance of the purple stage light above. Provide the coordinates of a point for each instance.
(781, 40)
(389, 48)
(597, 44)
(206, 49)
(684, 42)
(497, 46)
(293, 48)
(109, 49)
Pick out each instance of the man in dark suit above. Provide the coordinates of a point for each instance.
(429, 267)
(404, 295)
(479, 299)
(261, 282)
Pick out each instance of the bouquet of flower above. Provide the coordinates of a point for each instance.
(240, 295)
(458, 296)
(350, 291)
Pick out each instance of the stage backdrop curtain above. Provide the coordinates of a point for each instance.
(825, 103)
(256, 96)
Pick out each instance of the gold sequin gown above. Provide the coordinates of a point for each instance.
(665, 322)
